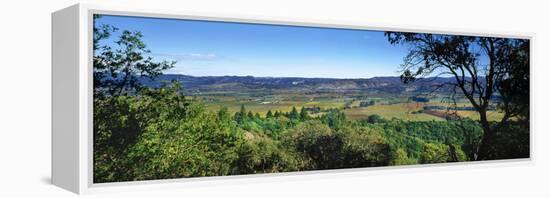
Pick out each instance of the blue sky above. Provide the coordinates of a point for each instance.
(206, 48)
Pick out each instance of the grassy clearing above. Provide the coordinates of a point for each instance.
(403, 111)
(491, 115)
(262, 107)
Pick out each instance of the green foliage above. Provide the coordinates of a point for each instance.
(241, 116)
(324, 148)
(173, 138)
(263, 155)
(200, 144)
(334, 118)
(303, 114)
(411, 136)
(117, 70)
(315, 141)
(512, 140)
(366, 147)
(160, 134)
(400, 158)
(375, 119)
(277, 114)
(293, 114)
(440, 153)
(434, 153)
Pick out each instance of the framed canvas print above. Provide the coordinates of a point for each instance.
(161, 98)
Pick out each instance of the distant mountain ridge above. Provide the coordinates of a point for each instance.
(375, 84)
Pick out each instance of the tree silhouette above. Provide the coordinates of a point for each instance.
(269, 114)
(118, 67)
(240, 116)
(293, 113)
(480, 66)
(303, 114)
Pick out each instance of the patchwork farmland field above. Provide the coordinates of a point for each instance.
(388, 108)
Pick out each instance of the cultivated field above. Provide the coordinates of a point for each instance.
(389, 108)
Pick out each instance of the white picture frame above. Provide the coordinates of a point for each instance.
(72, 162)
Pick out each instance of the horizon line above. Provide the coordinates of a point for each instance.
(273, 76)
(295, 76)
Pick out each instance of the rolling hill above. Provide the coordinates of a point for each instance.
(193, 84)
